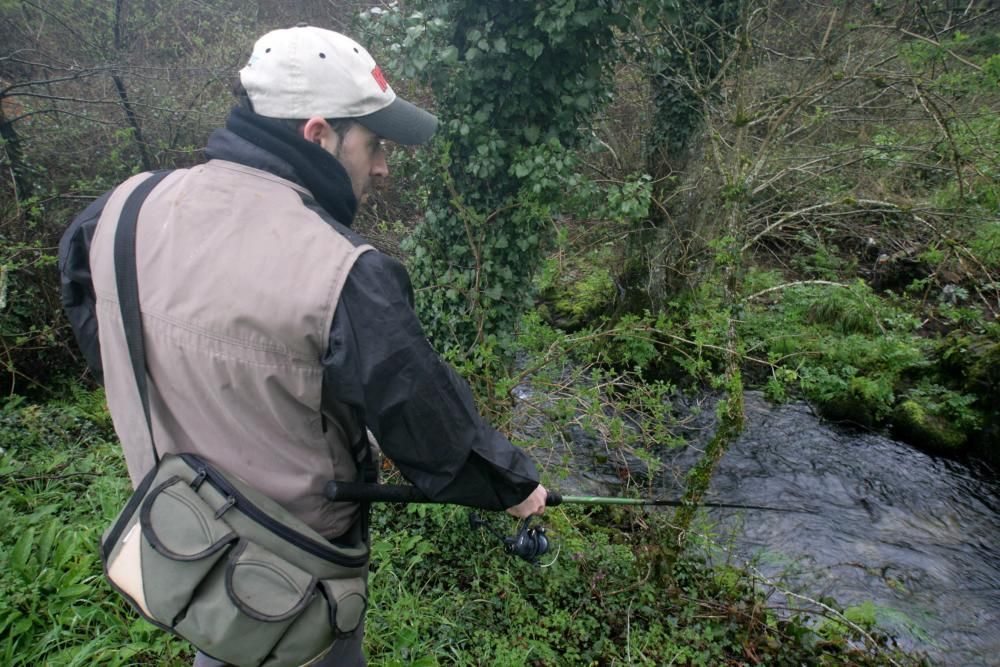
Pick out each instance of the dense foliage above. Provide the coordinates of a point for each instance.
(91, 93)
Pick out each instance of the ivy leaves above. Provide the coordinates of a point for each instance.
(513, 83)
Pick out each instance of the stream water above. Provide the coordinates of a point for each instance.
(916, 536)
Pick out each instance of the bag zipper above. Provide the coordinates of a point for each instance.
(284, 532)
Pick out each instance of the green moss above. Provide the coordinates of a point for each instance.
(983, 373)
(576, 290)
(971, 362)
(914, 423)
(590, 293)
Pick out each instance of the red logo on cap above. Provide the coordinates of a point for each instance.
(380, 78)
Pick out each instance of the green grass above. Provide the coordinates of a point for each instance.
(440, 594)
(63, 481)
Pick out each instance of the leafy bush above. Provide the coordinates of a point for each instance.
(442, 595)
(985, 244)
(860, 358)
(844, 348)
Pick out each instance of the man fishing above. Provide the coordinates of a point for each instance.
(275, 337)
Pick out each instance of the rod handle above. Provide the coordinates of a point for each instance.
(359, 492)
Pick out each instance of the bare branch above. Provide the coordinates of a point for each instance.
(39, 82)
(928, 40)
(876, 205)
(794, 284)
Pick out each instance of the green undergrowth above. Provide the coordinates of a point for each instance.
(922, 371)
(63, 481)
(441, 593)
(866, 357)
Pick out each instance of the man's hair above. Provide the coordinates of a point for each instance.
(338, 125)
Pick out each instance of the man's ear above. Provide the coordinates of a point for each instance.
(316, 130)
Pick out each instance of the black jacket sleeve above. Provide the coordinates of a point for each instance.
(419, 409)
(78, 300)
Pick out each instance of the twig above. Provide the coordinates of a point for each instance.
(793, 214)
(924, 38)
(830, 610)
(942, 124)
(22, 480)
(794, 284)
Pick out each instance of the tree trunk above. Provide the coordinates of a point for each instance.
(682, 67)
(19, 171)
(130, 115)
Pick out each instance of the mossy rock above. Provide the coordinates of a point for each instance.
(972, 361)
(849, 408)
(986, 444)
(578, 296)
(983, 374)
(861, 400)
(915, 424)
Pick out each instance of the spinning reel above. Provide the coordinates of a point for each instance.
(528, 543)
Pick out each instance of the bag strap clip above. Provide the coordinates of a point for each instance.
(230, 501)
(199, 479)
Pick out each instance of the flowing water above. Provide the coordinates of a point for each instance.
(914, 535)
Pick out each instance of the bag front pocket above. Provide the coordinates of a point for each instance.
(338, 609)
(348, 600)
(244, 609)
(182, 542)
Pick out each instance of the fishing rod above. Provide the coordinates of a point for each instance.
(403, 493)
(529, 542)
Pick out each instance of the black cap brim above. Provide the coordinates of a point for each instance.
(402, 122)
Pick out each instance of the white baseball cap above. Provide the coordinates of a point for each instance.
(305, 71)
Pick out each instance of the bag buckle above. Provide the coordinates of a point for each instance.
(230, 501)
(199, 479)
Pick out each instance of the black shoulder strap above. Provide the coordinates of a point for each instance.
(128, 289)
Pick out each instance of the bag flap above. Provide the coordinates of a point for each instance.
(179, 524)
(266, 586)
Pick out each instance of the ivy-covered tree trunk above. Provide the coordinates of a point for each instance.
(513, 83)
(686, 55)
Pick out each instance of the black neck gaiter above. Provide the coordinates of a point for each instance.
(316, 169)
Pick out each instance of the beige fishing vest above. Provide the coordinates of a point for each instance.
(238, 285)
